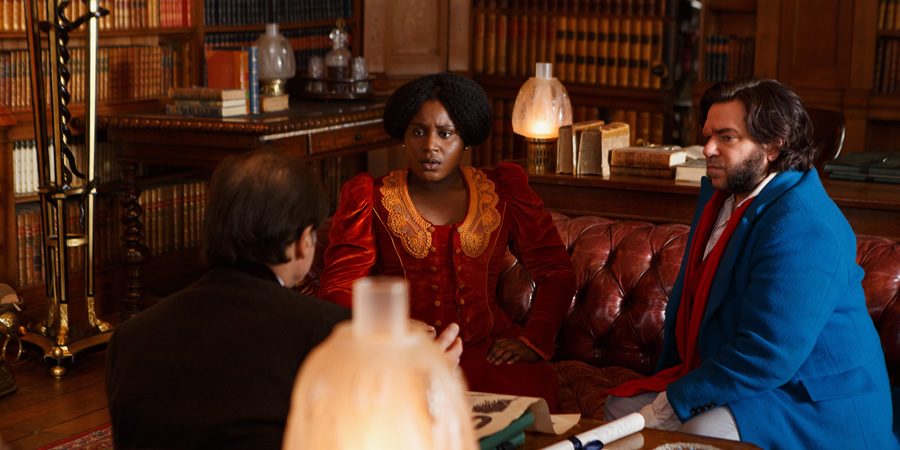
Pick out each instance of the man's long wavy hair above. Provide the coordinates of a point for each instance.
(773, 112)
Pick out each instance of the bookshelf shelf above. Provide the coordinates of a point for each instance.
(281, 26)
(738, 6)
(614, 58)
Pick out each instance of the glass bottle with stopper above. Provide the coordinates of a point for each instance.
(337, 60)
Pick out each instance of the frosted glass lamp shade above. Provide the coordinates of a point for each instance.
(542, 105)
(379, 382)
(275, 60)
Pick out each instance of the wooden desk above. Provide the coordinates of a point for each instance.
(871, 208)
(316, 131)
(645, 439)
(313, 130)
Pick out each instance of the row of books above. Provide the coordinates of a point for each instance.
(728, 57)
(306, 42)
(128, 72)
(253, 12)
(889, 14)
(613, 51)
(620, 7)
(173, 215)
(25, 169)
(504, 145)
(29, 241)
(877, 166)
(123, 14)
(887, 58)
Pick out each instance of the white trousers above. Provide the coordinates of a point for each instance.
(717, 422)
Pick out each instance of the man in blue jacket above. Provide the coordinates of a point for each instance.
(767, 337)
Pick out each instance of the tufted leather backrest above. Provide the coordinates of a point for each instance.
(625, 272)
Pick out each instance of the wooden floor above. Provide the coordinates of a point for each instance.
(44, 409)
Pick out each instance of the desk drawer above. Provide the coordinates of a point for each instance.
(347, 138)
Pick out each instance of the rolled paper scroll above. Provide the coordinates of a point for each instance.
(604, 434)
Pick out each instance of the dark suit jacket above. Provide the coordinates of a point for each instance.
(213, 365)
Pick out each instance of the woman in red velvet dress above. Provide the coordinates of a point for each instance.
(446, 228)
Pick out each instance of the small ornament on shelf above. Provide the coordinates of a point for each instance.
(339, 75)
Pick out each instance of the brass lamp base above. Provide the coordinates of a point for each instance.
(541, 155)
(272, 88)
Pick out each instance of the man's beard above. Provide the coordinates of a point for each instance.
(748, 174)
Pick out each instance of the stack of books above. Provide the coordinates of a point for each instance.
(207, 102)
(691, 171)
(881, 167)
(584, 148)
(654, 162)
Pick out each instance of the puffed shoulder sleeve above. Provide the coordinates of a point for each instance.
(351, 251)
(537, 245)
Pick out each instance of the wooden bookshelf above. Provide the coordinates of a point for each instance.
(187, 39)
(615, 63)
(833, 57)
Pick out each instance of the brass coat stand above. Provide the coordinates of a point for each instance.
(57, 174)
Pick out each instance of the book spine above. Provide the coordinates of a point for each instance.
(478, 43)
(571, 47)
(624, 52)
(254, 79)
(581, 49)
(668, 173)
(501, 43)
(522, 67)
(490, 44)
(560, 48)
(512, 45)
(612, 58)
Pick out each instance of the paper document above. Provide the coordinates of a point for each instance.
(494, 412)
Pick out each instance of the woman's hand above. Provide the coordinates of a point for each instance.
(509, 351)
(451, 343)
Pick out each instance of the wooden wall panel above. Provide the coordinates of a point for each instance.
(406, 37)
(815, 43)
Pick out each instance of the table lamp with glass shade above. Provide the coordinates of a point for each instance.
(275, 62)
(379, 382)
(542, 106)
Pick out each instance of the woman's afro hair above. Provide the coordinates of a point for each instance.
(464, 100)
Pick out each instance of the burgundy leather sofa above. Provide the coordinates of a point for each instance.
(625, 272)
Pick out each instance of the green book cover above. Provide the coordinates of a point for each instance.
(509, 434)
(856, 163)
(889, 166)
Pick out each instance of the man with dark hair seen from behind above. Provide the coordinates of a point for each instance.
(213, 365)
(767, 338)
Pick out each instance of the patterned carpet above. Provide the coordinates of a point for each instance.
(100, 437)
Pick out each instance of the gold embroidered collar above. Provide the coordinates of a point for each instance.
(404, 222)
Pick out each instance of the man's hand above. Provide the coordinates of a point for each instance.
(509, 351)
(660, 415)
(451, 343)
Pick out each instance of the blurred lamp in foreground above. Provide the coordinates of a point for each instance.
(542, 106)
(379, 382)
(276, 61)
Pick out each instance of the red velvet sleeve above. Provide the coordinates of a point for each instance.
(351, 251)
(537, 245)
